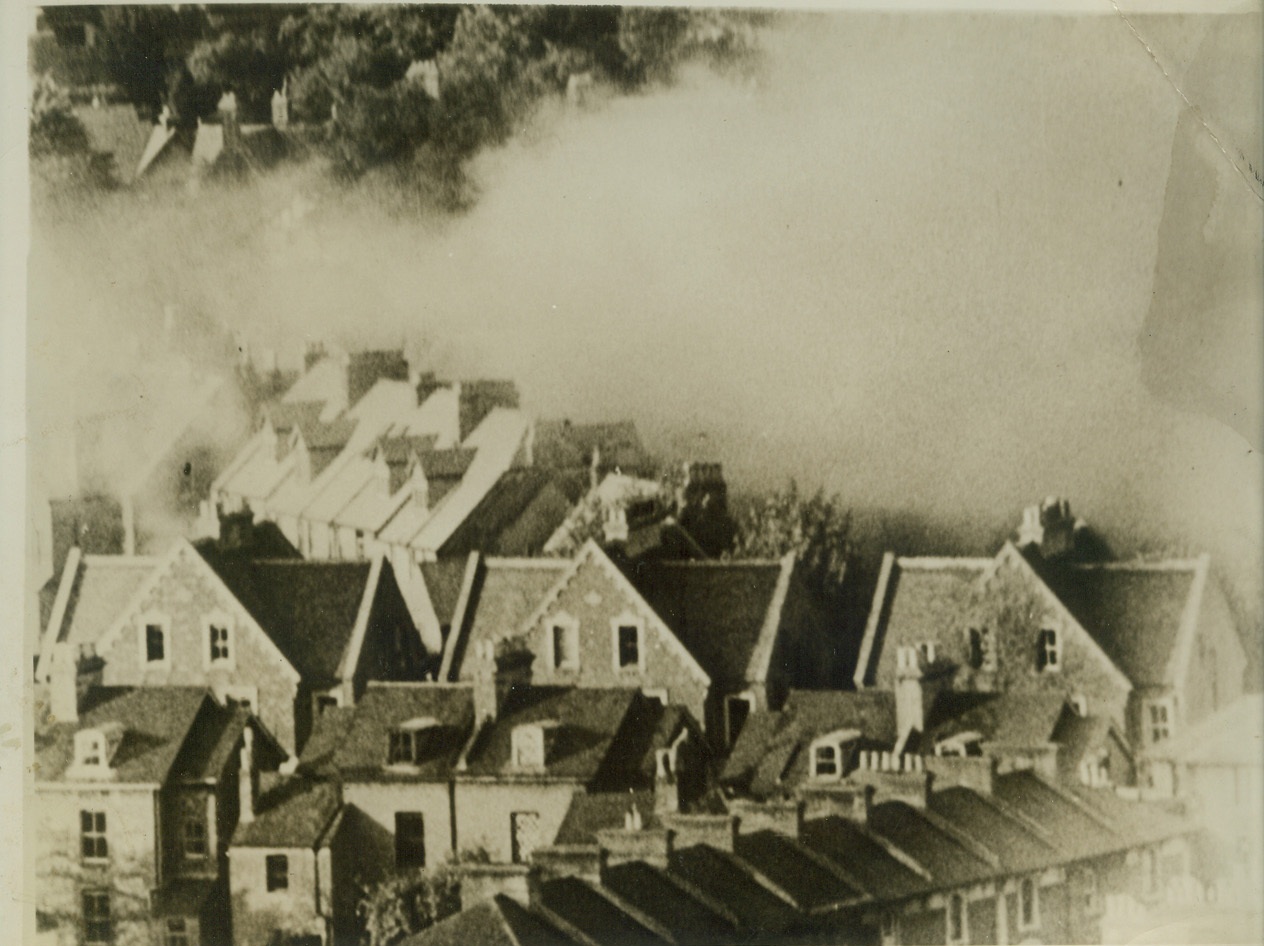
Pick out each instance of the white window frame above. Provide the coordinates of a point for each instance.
(516, 853)
(1054, 665)
(222, 620)
(143, 623)
(1034, 922)
(836, 751)
(627, 620)
(1168, 706)
(103, 834)
(965, 919)
(570, 627)
(91, 741)
(268, 860)
(524, 737)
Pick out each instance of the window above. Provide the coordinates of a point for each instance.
(528, 747)
(982, 649)
(1049, 651)
(177, 932)
(410, 839)
(359, 544)
(90, 748)
(1159, 720)
(97, 927)
(403, 747)
(524, 830)
(1028, 903)
(736, 710)
(92, 840)
(155, 643)
(277, 869)
(956, 918)
(194, 831)
(564, 645)
(219, 642)
(628, 647)
(825, 762)
(927, 650)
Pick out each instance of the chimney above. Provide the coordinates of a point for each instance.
(281, 107)
(485, 697)
(246, 778)
(916, 687)
(666, 783)
(1050, 527)
(63, 697)
(594, 468)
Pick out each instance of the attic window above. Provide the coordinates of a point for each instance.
(155, 647)
(628, 651)
(564, 643)
(982, 649)
(1029, 904)
(1049, 651)
(90, 749)
(408, 741)
(219, 642)
(825, 761)
(528, 746)
(1159, 720)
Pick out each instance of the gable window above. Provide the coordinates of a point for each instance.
(1159, 720)
(825, 762)
(524, 831)
(277, 871)
(407, 741)
(956, 918)
(627, 645)
(97, 925)
(410, 839)
(154, 644)
(219, 642)
(1049, 651)
(564, 644)
(359, 543)
(176, 932)
(194, 836)
(982, 649)
(1028, 903)
(92, 841)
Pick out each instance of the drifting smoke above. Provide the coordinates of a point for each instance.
(912, 263)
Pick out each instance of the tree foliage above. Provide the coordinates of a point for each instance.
(816, 528)
(412, 900)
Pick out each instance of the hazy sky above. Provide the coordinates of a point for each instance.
(915, 263)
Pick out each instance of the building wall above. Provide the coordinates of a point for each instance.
(594, 600)
(1217, 662)
(257, 912)
(186, 596)
(130, 872)
(483, 813)
(380, 801)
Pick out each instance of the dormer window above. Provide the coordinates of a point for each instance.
(564, 643)
(90, 749)
(960, 744)
(628, 635)
(530, 745)
(1049, 651)
(407, 744)
(826, 754)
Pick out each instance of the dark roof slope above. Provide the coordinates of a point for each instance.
(716, 609)
(651, 891)
(879, 872)
(1015, 719)
(564, 445)
(214, 738)
(329, 732)
(590, 812)
(443, 580)
(362, 750)
(722, 877)
(308, 608)
(155, 723)
(295, 813)
(780, 860)
(519, 514)
(583, 907)
(586, 721)
(497, 921)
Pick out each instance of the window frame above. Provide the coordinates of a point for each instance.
(617, 626)
(516, 854)
(190, 828)
(92, 916)
(1029, 906)
(92, 835)
(1044, 649)
(218, 620)
(404, 843)
(569, 627)
(159, 620)
(276, 872)
(534, 737)
(836, 761)
(1152, 727)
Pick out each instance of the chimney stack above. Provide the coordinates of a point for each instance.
(281, 106)
(246, 778)
(63, 697)
(485, 704)
(1050, 527)
(916, 687)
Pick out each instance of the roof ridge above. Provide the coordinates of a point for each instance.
(933, 562)
(523, 561)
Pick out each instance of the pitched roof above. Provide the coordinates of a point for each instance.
(361, 753)
(294, 813)
(876, 869)
(307, 608)
(716, 609)
(585, 721)
(590, 812)
(585, 908)
(218, 730)
(497, 921)
(504, 593)
(770, 754)
(782, 861)
(329, 732)
(518, 515)
(1010, 718)
(654, 894)
(443, 578)
(562, 444)
(725, 879)
(97, 588)
(155, 722)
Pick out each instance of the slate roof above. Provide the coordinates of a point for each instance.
(504, 594)
(879, 872)
(1077, 735)
(294, 813)
(214, 738)
(716, 609)
(307, 608)
(329, 732)
(651, 891)
(590, 812)
(723, 877)
(360, 737)
(519, 514)
(562, 445)
(443, 579)
(155, 722)
(399, 449)
(588, 720)
(102, 586)
(581, 906)
(1010, 718)
(781, 860)
(771, 751)
(497, 921)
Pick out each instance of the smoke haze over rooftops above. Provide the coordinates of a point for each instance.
(913, 264)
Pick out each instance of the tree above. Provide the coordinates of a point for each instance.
(412, 900)
(815, 528)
